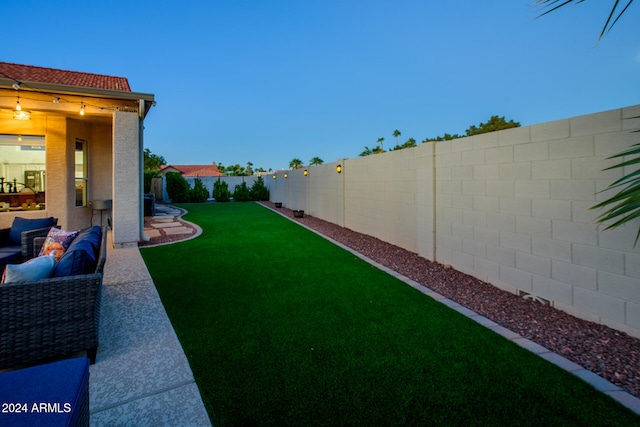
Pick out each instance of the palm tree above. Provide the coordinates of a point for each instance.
(368, 151)
(396, 133)
(249, 168)
(552, 5)
(380, 140)
(316, 161)
(295, 163)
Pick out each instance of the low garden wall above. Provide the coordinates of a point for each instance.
(508, 207)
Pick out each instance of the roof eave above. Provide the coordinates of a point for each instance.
(79, 90)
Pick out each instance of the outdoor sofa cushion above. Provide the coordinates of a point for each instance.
(10, 254)
(81, 256)
(51, 394)
(57, 240)
(25, 224)
(34, 269)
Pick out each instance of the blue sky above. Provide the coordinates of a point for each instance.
(240, 81)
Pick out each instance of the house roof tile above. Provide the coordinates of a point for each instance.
(30, 73)
(197, 170)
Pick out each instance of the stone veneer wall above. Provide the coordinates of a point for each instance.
(508, 207)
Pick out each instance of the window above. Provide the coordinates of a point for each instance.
(22, 172)
(81, 172)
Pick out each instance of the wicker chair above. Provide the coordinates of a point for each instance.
(51, 318)
(11, 254)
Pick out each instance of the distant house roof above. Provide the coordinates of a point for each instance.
(30, 73)
(194, 170)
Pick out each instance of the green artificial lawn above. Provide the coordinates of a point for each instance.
(282, 328)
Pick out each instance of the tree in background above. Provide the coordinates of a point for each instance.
(375, 150)
(411, 142)
(396, 134)
(249, 169)
(380, 141)
(295, 163)
(235, 170)
(495, 123)
(369, 151)
(152, 162)
(316, 161)
(552, 5)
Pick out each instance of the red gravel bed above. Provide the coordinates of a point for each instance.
(612, 354)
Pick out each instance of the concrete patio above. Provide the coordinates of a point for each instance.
(141, 375)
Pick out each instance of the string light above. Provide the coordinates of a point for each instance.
(82, 110)
(18, 107)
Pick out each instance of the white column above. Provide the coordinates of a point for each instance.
(127, 194)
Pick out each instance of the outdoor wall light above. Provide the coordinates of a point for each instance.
(286, 175)
(339, 168)
(306, 172)
(274, 176)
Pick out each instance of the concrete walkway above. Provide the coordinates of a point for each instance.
(141, 376)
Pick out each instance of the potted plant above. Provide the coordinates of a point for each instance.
(298, 213)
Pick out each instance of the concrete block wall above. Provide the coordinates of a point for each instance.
(511, 208)
(325, 197)
(380, 194)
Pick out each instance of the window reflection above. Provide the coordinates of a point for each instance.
(22, 172)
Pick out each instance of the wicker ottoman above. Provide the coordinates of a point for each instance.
(54, 394)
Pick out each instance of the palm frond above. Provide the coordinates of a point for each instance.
(552, 5)
(624, 206)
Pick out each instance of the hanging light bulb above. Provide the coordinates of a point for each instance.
(19, 114)
(82, 110)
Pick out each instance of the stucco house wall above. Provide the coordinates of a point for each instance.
(106, 116)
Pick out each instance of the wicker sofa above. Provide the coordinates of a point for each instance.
(16, 243)
(55, 317)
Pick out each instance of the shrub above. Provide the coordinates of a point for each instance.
(177, 187)
(199, 193)
(259, 191)
(242, 193)
(221, 191)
